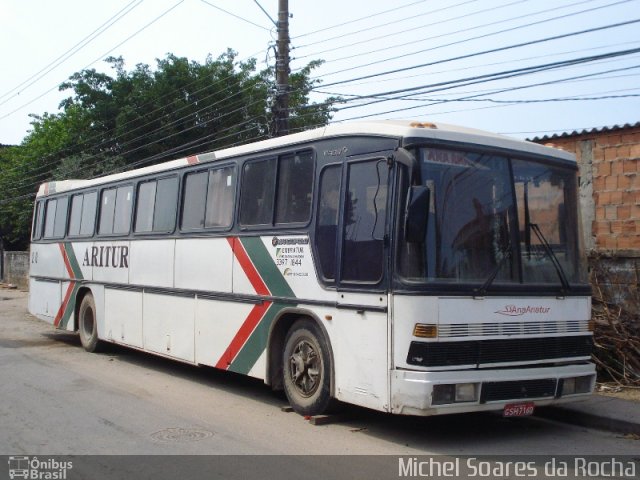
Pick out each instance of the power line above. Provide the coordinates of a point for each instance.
(518, 17)
(266, 13)
(394, 9)
(99, 58)
(500, 75)
(236, 16)
(73, 50)
(404, 31)
(475, 67)
(485, 52)
(471, 39)
(494, 90)
(468, 98)
(386, 24)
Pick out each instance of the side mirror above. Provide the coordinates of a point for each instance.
(415, 225)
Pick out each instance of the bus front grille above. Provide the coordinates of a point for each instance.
(483, 352)
(496, 391)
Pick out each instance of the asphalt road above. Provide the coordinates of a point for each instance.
(56, 399)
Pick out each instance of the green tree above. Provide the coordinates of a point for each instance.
(127, 119)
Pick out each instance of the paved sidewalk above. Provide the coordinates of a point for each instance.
(599, 411)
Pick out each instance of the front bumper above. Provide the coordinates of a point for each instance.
(412, 391)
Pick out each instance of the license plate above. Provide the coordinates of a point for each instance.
(518, 409)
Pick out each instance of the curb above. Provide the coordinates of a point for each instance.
(591, 420)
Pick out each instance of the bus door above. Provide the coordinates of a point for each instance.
(355, 262)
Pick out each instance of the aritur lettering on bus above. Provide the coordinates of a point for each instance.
(107, 256)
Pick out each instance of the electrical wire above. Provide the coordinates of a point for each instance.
(235, 16)
(485, 52)
(94, 61)
(387, 24)
(498, 22)
(72, 51)
(394, 9)
(484, 36)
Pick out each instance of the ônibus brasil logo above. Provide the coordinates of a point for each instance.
(34, 468)
(515, 311)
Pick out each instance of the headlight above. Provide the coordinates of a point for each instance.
(575, 385)
(466, 392)
(455, 393)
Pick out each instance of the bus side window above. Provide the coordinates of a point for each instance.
(295, 180)
(83, 212)
(106, 211)
(38, 218)
(144, 207)
(88, 220)
(56, 217)
(124, 202)
(220, 197)
(166, 204)
(76, 215)
(256, 200)
(156, 206)
(327, 221)
(115, 213)
(194, 200)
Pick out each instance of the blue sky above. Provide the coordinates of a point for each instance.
(44, 42)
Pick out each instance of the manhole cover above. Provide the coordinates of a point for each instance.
(181, 435)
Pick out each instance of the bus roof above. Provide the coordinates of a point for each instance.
(388, 128)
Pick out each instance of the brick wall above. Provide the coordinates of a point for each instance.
(609, 161)
(612, 159)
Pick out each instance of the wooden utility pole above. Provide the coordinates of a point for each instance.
(281, 107)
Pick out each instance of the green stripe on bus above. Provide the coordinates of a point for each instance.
(73, 261)
(70, 308)
(257, 342)
(265, 265)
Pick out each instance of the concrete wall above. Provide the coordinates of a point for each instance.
(609, 161)
(16, 269)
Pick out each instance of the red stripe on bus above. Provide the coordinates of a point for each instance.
(63, 306)
(67, 264)
(247, 266)
(257, 312)
(67, 295)
(192, 160)
(242, 335)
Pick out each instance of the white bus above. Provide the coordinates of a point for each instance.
(411, 268)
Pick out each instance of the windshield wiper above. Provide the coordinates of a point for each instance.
(506, 253)
(552, 256)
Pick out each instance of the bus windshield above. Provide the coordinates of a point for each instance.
(494, 221)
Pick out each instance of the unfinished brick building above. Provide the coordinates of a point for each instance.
(609, 161)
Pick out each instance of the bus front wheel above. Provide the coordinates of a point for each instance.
(87, 324)
(307, 369)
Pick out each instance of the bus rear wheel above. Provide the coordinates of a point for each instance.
(306, 368)
(87, 324)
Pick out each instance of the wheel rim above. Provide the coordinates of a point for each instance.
(87, 323)
(305, 368)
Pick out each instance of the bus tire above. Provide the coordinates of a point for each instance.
(306, 369)
(87, 325)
